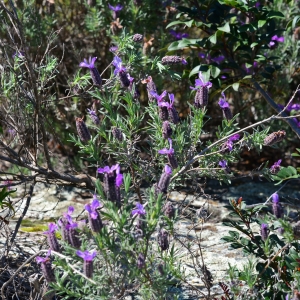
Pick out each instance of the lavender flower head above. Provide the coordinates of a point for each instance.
(88, 261)
(121, 71)
(277, 208)
(264, 231)
(94, 72)
(201, 97)
(172, 112)
(225, 107)
(92, 208)
(94, 217)
(276, 167)
(117, 62)
(46, 267)
(94, 116)
(52, 240)
(113, 179)
(140, 210)
(115, 10)
(170, 153)
(164, 180)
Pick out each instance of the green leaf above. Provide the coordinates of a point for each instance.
(187, 23)
(253, 45)
(215, 71)
(275, 14)
(261, 23)
(213, 38)
(236, 86)
(195, 71)
(225, 28)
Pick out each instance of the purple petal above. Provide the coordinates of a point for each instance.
(164, 151)
(94, 215)
(223, 164)
(275, 198)
(115, 168)
(104, 170)
(235, 137)
(80, 254)
(170, 142)
(70, 210)
(119, 180)
(168, 170)
(88, 208)
(84, 64)
(171, 97)
(40, 259)
(95, 204)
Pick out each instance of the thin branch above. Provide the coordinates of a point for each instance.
(291, 123)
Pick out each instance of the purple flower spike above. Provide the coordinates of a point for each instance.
(94, 116)
(51, 238)
(225, 107)
(94, 217)
(46, 267)
(276, 167)
(117, 62)
(264, 231)
(140, 210)
(121, 71)
(172, 112)
(171, 155)
(275, 198)
(86, 255)
(228, 145)
(201, 97)
(164, 181)
(88, 261)
(93, 70)
(277, 208)
(112, 182)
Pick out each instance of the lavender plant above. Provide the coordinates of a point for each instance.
(128, 141)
